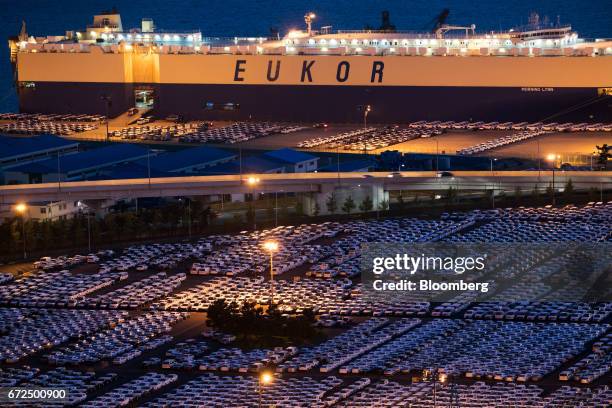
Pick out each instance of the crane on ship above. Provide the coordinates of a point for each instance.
(440, 26)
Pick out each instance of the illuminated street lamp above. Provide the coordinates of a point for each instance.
(21, 209)
(252, 181)
(434, 376)
(492, 159)
(553, 159)
(265, 378)
(271, 247)
(366, 112)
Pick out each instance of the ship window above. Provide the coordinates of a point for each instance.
(144, 98)
(229, 106)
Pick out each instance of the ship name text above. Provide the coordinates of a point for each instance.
(309, 71)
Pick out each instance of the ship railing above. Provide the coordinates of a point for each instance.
(237, 40)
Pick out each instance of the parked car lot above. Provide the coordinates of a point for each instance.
(134, 317)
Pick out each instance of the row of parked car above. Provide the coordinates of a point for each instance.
(594, 365)
(76, 384)
(156, 132)
(226, 391)
(238, 132)
(500, 142)
(33, 330)
(52, 117)
(307, 392)
(126, 337)
(5, 278)
(380, 138)
(36, 127)
(544, 126)
(126, 394)
(475, 395)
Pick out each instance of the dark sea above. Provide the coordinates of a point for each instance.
(591, 18)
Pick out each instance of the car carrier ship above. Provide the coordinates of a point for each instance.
(541, 71)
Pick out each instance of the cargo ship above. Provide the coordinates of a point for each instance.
(537, 72)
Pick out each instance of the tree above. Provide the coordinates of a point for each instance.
(349, 205)
(383, 205)
(603, 156)
(317, 209)
(451, 193)
(250, 320)
(593, 194)
(250, 214)
(331, 203)
(517, 195)
(535, 194)
(401, 204)
(366, 205)
(299, 207)
(568, 191)
(550, 190)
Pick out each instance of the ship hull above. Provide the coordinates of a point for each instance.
(327, 103)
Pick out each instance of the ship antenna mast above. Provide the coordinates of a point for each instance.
(308, 20)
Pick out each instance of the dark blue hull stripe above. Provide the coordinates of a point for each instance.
(327, 103)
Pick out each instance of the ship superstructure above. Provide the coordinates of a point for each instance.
(532, 72)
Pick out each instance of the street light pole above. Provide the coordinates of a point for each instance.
(271, 247)
(21, 209)
(107, 102)
(276, 208)
(553, 159)
(25, 254)
(366, 111)
(553, 187)
(149, 165)
(189, 215)
(338, 161)
(88, 232)
(264, 379)
(539, 160)
(492, 160)
(437, 153)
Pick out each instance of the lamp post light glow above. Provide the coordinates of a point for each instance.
(265, 378)
(434, 376)
(21, 209)
(271, 247)
(366, 112)
(553, 159)
(252, 181)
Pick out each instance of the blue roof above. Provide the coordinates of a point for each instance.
(188, 158)
(290, 156)
(86, 160)
(12, 147)
(349, 165)
(131, 170)
(251, 164)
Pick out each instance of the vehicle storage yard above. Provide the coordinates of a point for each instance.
(136, 316)
(490, 139)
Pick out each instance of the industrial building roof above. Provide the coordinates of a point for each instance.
(290, 156)
(189, 159)
(16, 148)
(85, 161)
